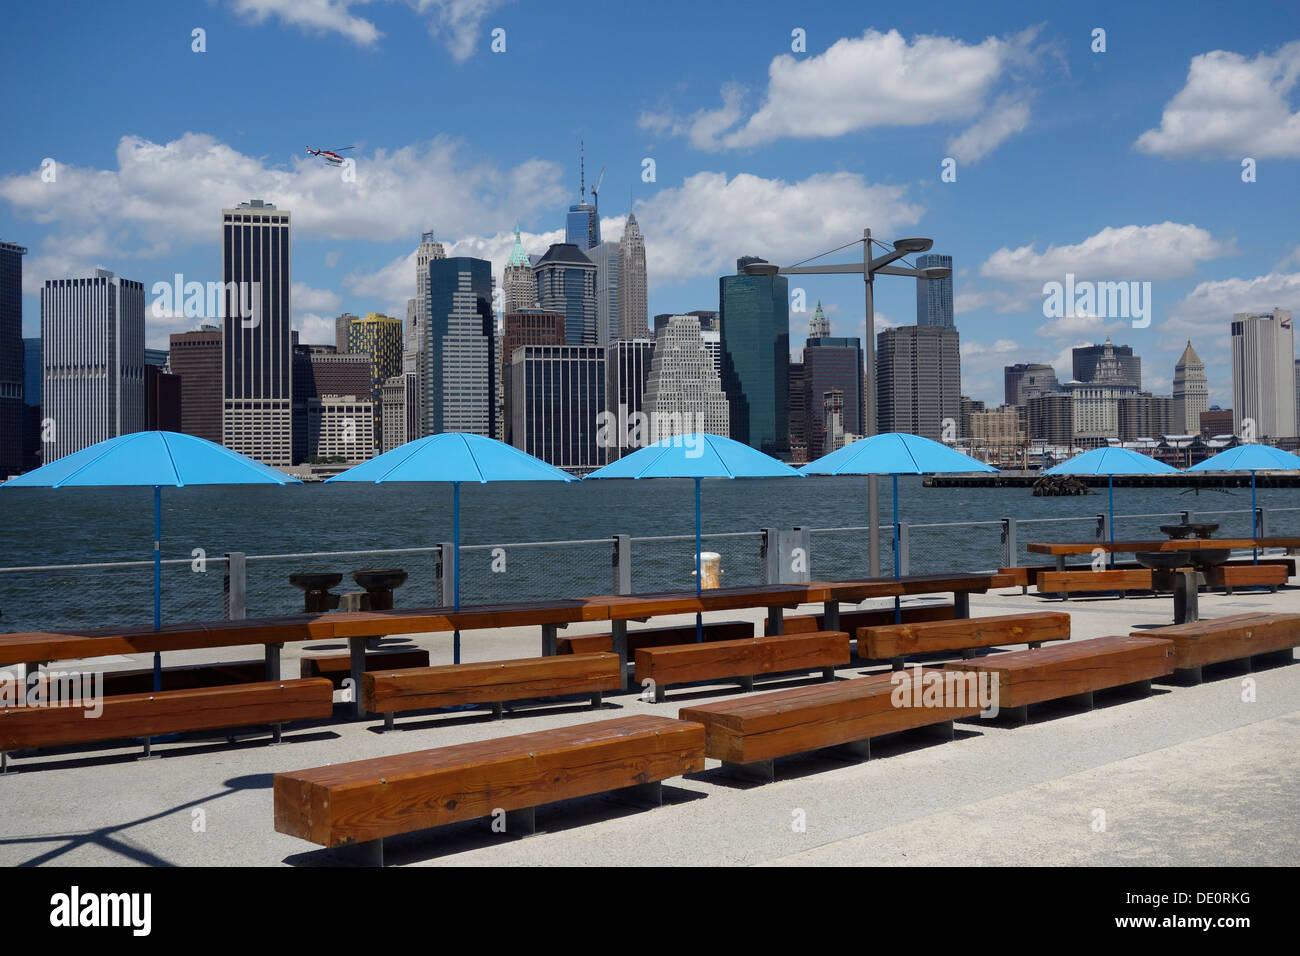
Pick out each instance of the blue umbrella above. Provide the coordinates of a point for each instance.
(894, 454)
(1112, 461)
(1251, 457)
(152, 459)
(454, 457)
(698, 456)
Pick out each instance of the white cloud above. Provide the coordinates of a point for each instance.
(702, 226)
(313, 16)
(457, 23)
(1161, 251)
(877, 79)
(1088, 328)
(1207, 310)
(162, 196)
(316, 329)
(1231, 106)
(1006, 117)
(308, 299)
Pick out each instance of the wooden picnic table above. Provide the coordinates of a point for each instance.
(1060, 549)
(356, 627)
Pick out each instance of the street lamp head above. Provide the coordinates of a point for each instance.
(916, 244)
(935, 272)
(761, 269)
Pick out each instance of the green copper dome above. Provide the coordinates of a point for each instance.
(517, 255)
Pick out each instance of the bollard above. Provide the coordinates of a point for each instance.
(711, 565)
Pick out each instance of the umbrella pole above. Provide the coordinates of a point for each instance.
(699, 567)
(1110, 495)
(157, 581)
(1254, 522)
(455, 563)
(898, 609)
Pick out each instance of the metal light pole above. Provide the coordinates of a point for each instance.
(868, 270)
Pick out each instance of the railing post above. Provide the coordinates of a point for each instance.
(1261, 520)
(444, 582)
(235, 585)
(805, 542)
(622, 564)
(770, 556)
(1102, 522)
(904, 548)
(1185, 517)
(1010, 551)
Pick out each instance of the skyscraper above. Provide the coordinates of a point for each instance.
(525, 327)
(627, 371)
(566, 283)
(341, 325)
(582, 224)
(92, 353)
(11, 359)
(1023, 381)
(196, 358)
(1263, 373)
(333, 414)
(418, 342)
(380, 338)
(755, 319)
(605, 257)
(683, 391)
(1113, 364)
(1191, 392)
(256, 349)
(832, 363)
(934, 296)
(518, 287)
(558, 393)
(819, 327)
(31, 404)
(632, 311)
(918, 382)
(460, 384)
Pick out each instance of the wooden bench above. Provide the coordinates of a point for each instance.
(1074, 669)
(654, 637)
(1065, 582)
(489, 682)
(1229, 576)
(185, 677)
(368, 800)
(850, 621)
(748, 733)
(719, 660)
(894, 642)
(1239, 637)
(338, 667)
(164, 712)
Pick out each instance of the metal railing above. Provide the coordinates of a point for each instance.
(237, 585)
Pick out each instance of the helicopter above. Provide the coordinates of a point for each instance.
(330, 156)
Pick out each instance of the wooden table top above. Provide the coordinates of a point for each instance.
(1181, 544)
(99, 642)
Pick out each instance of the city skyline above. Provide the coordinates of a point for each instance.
(1006, 219)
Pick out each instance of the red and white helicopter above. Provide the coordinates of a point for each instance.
(330, 156)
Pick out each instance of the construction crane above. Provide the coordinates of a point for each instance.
(595, 190)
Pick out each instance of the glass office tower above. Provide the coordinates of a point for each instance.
(755, 319)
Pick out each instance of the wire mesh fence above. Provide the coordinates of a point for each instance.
(842, 553)
(667, 563)
(534, 571)
(953, 546)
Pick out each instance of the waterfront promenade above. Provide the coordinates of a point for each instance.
(1189, 775)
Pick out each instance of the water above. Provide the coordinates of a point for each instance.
(80, 525)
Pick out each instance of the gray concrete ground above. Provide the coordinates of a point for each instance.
(1189, 775)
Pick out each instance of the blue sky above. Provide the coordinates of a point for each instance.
(1123, 165)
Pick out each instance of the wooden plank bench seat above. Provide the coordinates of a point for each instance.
(1270, 575)
(390, 692)
(365, 801)
(654, 637)
(894, 642)
(1074, 669)
(165, 712)
(1066, 582)
(184, 677)
(850, 621)
(1239, 637)
(337, 667)
(748, 733)
(720, 660)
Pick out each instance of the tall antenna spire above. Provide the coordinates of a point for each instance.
(582, 171)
